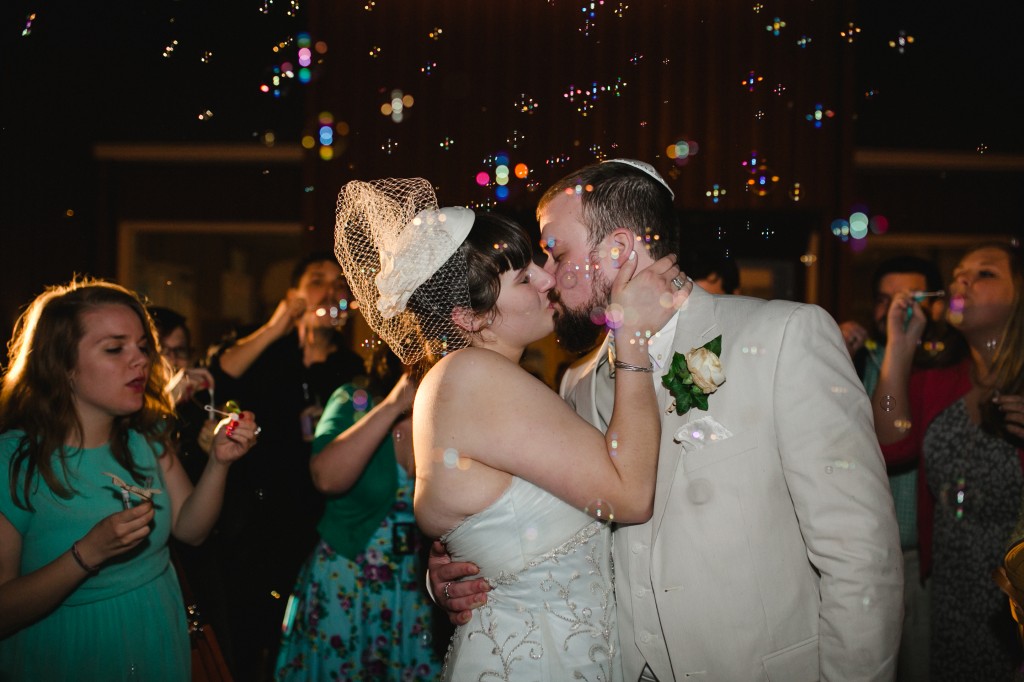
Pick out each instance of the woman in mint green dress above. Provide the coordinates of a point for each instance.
(359, 610)
(93, 491)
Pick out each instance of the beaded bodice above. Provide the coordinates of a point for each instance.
(551, 612)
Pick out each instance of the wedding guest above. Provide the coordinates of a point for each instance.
(190, 387)
(715, 273)
(964, 426)
(95, 490)
(285, 370)
(359, 610)
(192, 390)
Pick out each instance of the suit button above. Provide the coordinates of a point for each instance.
(637, 547)
(639, 593)
(646, 637)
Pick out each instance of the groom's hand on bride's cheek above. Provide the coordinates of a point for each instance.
(454, 593)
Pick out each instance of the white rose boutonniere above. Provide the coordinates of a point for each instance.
(695, 376)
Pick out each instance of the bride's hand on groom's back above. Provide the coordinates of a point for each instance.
(458, 597)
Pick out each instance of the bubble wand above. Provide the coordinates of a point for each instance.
(917, 297)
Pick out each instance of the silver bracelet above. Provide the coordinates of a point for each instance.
(626, 367)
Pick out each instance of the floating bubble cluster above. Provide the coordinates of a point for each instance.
(850, 33)
(715, 193)
(775, 28)
(761, 181)
(428, 68)
(589, 16)
(751, 81)
(858, 225)
(446, 143)
(584, 98)
(819, 114)
(901, 42)
(397, 105)
(27, 31)
(803, 41)
(526, 104)
(515, 138)
(504, 172)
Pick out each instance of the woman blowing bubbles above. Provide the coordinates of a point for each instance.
(93, 492)
(965, 424)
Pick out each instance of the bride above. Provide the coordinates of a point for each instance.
(507, 475)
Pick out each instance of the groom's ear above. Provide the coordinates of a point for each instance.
(621, 243)
(467, 320)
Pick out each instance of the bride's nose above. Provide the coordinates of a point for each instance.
(543, 280)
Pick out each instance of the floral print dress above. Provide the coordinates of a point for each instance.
(367, 618)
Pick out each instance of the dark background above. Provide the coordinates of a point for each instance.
(87, 75)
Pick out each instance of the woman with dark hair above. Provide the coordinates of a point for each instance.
(506, 473)
(94, 491)
(359, 610)
(965, 424)
(176, 349)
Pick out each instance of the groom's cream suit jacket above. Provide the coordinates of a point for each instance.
(773, 552)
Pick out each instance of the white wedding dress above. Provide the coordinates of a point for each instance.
(551, 612)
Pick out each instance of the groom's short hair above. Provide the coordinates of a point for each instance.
(614, 195)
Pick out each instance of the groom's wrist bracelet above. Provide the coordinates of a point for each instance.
(626, 367)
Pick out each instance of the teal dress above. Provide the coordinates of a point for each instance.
(359, 610)
(125, 623)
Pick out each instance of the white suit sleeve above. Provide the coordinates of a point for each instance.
(836, 477)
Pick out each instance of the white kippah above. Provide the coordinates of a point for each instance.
(646, 168)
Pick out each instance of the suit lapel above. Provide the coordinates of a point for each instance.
(696, 326)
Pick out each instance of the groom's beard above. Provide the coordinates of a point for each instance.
(575, 329)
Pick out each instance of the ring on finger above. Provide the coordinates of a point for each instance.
(446, 595)
(677, 283)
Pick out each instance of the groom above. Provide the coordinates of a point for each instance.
(773, 552)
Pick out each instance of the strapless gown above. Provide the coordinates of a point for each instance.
(551, 612)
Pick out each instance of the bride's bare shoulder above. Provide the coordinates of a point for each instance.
(468, 365)
(476, 376)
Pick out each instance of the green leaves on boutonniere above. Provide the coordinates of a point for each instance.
(694, 376)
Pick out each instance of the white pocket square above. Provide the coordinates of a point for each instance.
(696, 434)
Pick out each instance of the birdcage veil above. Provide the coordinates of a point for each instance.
(399, 253)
